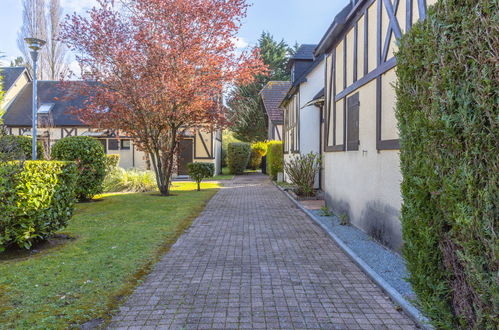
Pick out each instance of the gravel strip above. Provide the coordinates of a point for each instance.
(389, 265)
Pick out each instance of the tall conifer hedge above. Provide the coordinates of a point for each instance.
(447, 109)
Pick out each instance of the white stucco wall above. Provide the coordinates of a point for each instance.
(310, 116)
(365, 184)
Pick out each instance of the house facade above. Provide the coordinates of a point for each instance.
(55, 122)
(303, 105)
(271, 97)
(358, 132)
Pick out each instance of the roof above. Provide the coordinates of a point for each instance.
(272, 95)
(10, 75)
(318, 98)
(304, 52)
(303, 77)
(19, 112)
(334, 29)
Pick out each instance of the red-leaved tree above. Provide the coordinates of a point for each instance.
(154, 68)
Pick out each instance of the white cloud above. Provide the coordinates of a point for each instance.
(240, 42)
(77, 5)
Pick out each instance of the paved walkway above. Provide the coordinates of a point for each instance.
(252, 260)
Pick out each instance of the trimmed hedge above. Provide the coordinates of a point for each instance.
(198, 171)
(88, 153)
(447, 112)
(275, 158)
(18, 147)
(258, 150)
(36, 199)
(238, 155)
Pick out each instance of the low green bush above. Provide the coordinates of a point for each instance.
(36, 199)
(302, 171)
(18, 147)
(227, 137)
(198, 171)
(275, 158)
(238, 154)
(133, 180)
(447, 95)
(112, 162)
(88, 153)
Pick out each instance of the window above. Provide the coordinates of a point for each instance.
(125, 144)
(45, 108)
(112, 144)
(353, 122)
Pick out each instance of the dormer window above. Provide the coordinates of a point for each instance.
(45, 108)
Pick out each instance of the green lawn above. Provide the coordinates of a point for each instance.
(119, 238)
(224, 176)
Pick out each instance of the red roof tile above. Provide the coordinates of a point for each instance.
(272, 95)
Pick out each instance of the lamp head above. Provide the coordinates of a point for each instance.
(35, 43)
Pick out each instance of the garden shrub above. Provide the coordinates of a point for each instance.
(18, 147)
(447, 112)
(133, 180)
(227, 137)
(88, 153)
(198, 171)
(275, 158)
(112, 162)
(302, 170)
(238, 154)
(36, 199)
(258, 150)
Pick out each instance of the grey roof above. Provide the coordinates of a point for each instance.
(272, 95)
(10, 75)
(303, 77)
(304, 52)
(334, 29)
(19, 111)
(319, 94)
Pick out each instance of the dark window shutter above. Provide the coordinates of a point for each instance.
(112, 144)
(353, 122)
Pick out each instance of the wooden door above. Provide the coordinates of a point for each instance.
(185, 154)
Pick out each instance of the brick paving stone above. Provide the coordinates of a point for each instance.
(252, 259)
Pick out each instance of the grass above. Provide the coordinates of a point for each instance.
(119, 238)
(224, 176)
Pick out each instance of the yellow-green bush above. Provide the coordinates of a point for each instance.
(258, 150)
(36, 199)
(275, 158)
(448, 120)
(133, 180)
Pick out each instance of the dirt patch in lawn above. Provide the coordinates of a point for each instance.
(39, 248)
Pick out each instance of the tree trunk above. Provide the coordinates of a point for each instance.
(199, 185)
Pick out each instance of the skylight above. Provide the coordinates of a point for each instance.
(45, 108)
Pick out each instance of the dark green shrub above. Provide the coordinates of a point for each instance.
(112, 162)
(302, 170)
(36, 199)
(447, 112)
(238, 154)
(18, 147)
(88, 153)
(199, 171)
(275, 158)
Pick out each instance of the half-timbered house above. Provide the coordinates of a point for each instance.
(56, 122)
(360, 140)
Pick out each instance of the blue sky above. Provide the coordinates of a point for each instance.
(302, 21)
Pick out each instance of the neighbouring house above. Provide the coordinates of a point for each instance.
(271, 97)
(55, 122)
(359, 136)
(303, 105)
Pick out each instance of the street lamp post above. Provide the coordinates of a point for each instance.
(35, 45)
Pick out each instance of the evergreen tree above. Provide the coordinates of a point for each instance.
(248, 114)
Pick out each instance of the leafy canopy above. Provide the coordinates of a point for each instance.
(248, 116)
(157, 67)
